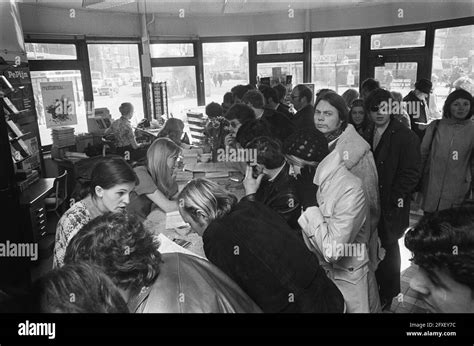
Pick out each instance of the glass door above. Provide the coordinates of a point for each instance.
(397, 72)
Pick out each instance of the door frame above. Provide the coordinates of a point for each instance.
(381, 57)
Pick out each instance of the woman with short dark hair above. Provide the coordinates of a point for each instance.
(111, 182)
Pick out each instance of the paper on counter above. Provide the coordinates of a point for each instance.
(169, 246)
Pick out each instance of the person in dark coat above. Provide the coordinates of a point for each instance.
(282, 106)
(301, 98)
(254, 246)
(277, 188)
(397, 157)
(271, 101)
(277, 123)
(416, 105)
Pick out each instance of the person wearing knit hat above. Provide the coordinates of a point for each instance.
(424, 85)
(304, 149)
(447, 153)
(464, 97)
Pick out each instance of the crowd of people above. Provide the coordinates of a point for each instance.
(327, 199)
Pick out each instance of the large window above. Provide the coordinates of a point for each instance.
(116, 78)
(171, 50)
(278, 70)
(74, 76)
(453, 61)
(335, 63)
(225, 65)
(280, 46)
(407, 39)
(181, 83)
(50, 51)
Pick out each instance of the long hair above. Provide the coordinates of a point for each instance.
(157, 155)
(208, 197)
(173, 129)
(359, 103)
(337, 102)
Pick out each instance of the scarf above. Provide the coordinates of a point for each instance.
(330, 136)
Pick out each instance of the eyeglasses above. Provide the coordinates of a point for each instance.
(374, 108)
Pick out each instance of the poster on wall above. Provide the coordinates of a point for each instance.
(58, 102)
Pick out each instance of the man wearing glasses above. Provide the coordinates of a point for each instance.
(301, 98)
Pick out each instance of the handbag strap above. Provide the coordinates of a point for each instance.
(431, 143)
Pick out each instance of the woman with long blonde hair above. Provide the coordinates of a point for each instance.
(157, 179)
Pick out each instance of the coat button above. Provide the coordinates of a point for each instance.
(351, 269)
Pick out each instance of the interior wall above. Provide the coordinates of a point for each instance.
(45, 20)
(58, 21)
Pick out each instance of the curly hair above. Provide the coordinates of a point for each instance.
(445, 241)
(78, 288)
(214, 110)
(121, 246)
(269, 152)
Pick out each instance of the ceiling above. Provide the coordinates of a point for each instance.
(206, 7)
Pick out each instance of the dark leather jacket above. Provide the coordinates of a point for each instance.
(189, 284)
(280, 195)
(279, 124)
(269, 261)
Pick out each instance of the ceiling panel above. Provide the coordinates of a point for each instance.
(210, 7)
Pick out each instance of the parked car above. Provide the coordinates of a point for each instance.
(108, 90)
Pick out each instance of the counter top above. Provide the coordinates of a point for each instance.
(36, 191)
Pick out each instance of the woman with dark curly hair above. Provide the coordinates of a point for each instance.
(443, 247)
(153, 282)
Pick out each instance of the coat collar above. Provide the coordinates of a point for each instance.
(328, 167)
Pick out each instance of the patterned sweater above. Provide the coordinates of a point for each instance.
(69, 224)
